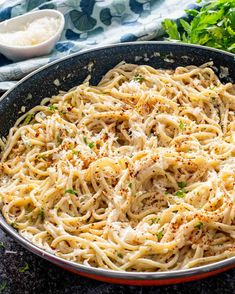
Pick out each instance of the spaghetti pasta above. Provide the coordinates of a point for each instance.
(135, 174)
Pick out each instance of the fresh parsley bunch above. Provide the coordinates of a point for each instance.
(213, 25)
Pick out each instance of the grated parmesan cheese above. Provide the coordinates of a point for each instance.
(32, 33)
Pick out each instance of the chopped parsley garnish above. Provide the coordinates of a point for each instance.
(76, 152)
(182, 125)
(63, 112)
(91, 145)
(180, 193)
(42, 214)
(130, 185)
(3, 286)
(120, 255)
(155, 220)
(181, 185)
(138, 78)
(41, 156)
(85, 140)
(14, 225)
(2, 245)
(70, 145)
(160, 234)
(70, 191)
(199, 225)
(28, 118)
(174, 211)
(52, 107)
(24, 268)
(59, 139)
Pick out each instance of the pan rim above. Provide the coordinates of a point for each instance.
(101, 47)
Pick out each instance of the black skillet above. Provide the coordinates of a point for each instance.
(71, 71)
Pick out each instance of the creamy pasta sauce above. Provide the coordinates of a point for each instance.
(135, 174)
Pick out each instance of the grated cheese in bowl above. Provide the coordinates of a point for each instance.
(32, 33)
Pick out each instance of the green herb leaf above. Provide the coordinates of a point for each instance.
(70, 145)
(213, 25)
(14, 225)
(171, 29)
(3, 286)
(52, 107)
(185, 25)
(174, 211)
(91, 144)
(182, 125)
(155, 220)
(120, 255)
(28, 118)
(130, 185)
(199, 225)
(71, 191)
(85, 140)
(180, 193)
(42, 214)
(63, 112)
(192, 12)
(59, 139)
(76, 152)
(2, 245)
(24, 268)
(160, 234)
(138, 78)
(41, 156)
(181, 185)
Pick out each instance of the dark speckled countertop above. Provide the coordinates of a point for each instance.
(44, 277)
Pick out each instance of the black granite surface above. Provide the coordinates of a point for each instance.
(43, 277)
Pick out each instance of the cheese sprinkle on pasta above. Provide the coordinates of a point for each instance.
(135, 174)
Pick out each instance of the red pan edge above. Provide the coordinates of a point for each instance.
(151, 282)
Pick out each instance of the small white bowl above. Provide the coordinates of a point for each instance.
(17, 53)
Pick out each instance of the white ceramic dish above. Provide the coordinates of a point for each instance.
(16, 53)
